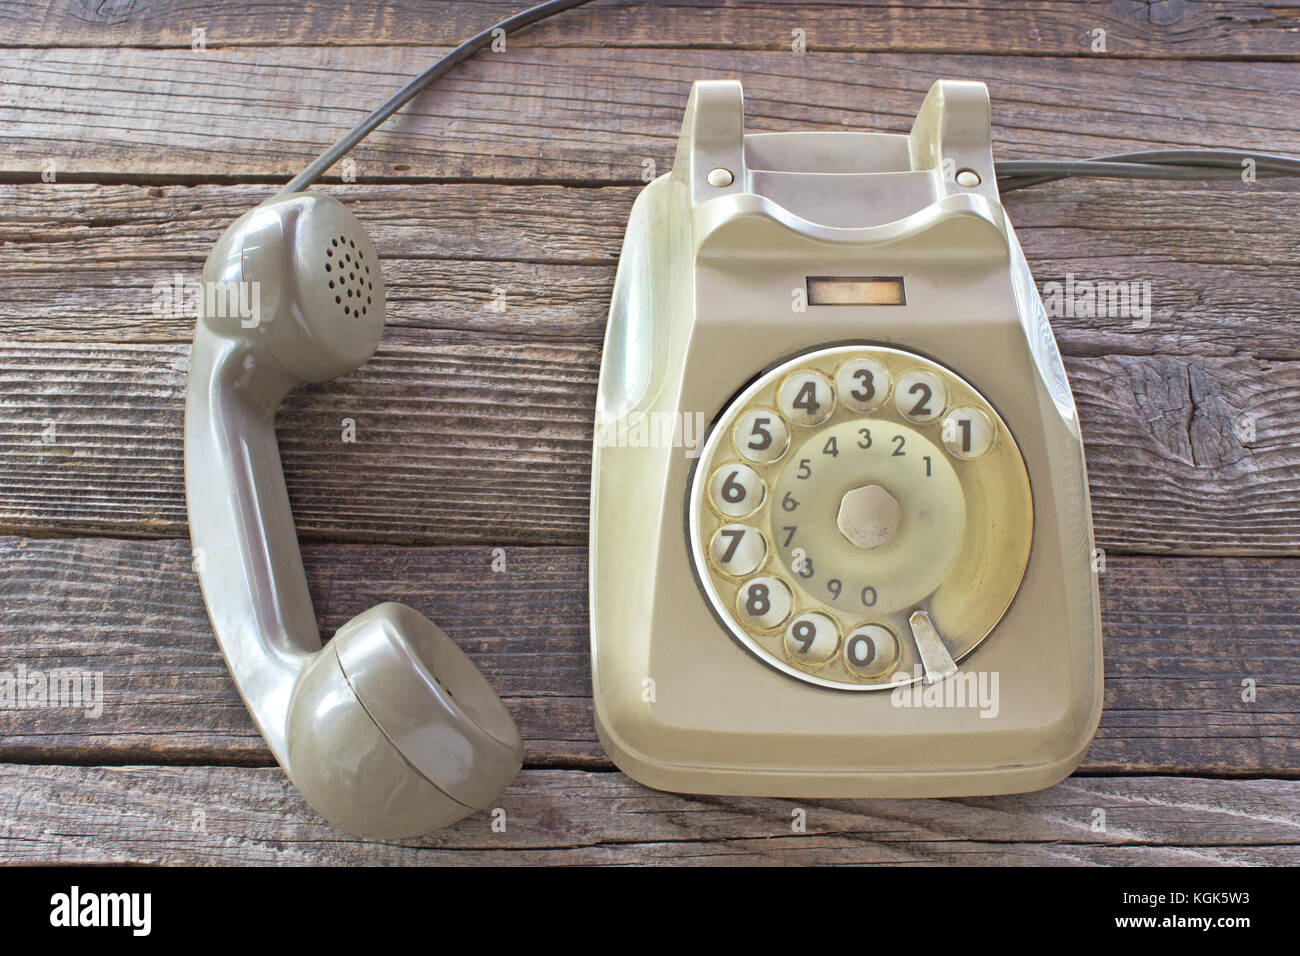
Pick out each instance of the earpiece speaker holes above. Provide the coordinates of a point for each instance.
(357, 284)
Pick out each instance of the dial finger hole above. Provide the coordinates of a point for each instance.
(967, 432)
(863, 384)
(806, 398)
(736, 490)
(870, 650)
(761, 435)
(920, 396)
(763, 603)
(811, 639)
(737, 549)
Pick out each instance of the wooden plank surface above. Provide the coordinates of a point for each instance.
(578, 115)
(213, 815)
(155, 147)
(465, 438)
(1224, 258)
(1163, 404)
(1182, 635)
(1175, 28)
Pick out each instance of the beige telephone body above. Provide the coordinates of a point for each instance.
(841, 543)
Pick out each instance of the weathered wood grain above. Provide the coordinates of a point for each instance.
(510, 423)
(585, 115)
(465, 438)
(1187, 455)
(212, 815)
(133, 610)
(1182, 635)
(80, 262)
(1168, 29)
(448, 452)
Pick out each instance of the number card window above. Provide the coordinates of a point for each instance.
(856, 290)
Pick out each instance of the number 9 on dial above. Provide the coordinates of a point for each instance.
(811, 639)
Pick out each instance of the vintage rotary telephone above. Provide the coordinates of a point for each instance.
(892, 477)
(890, 498)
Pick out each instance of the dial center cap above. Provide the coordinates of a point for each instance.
(869, 516)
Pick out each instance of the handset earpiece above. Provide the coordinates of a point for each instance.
(389, 730)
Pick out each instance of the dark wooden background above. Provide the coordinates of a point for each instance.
(517, 174)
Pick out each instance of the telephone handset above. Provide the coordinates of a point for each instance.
(389, 730)
(875, 576)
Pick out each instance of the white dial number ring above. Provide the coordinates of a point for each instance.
(835, 495)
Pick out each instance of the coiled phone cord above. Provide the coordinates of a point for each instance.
(1011, 174)
(1152, 164)
(399, 99)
